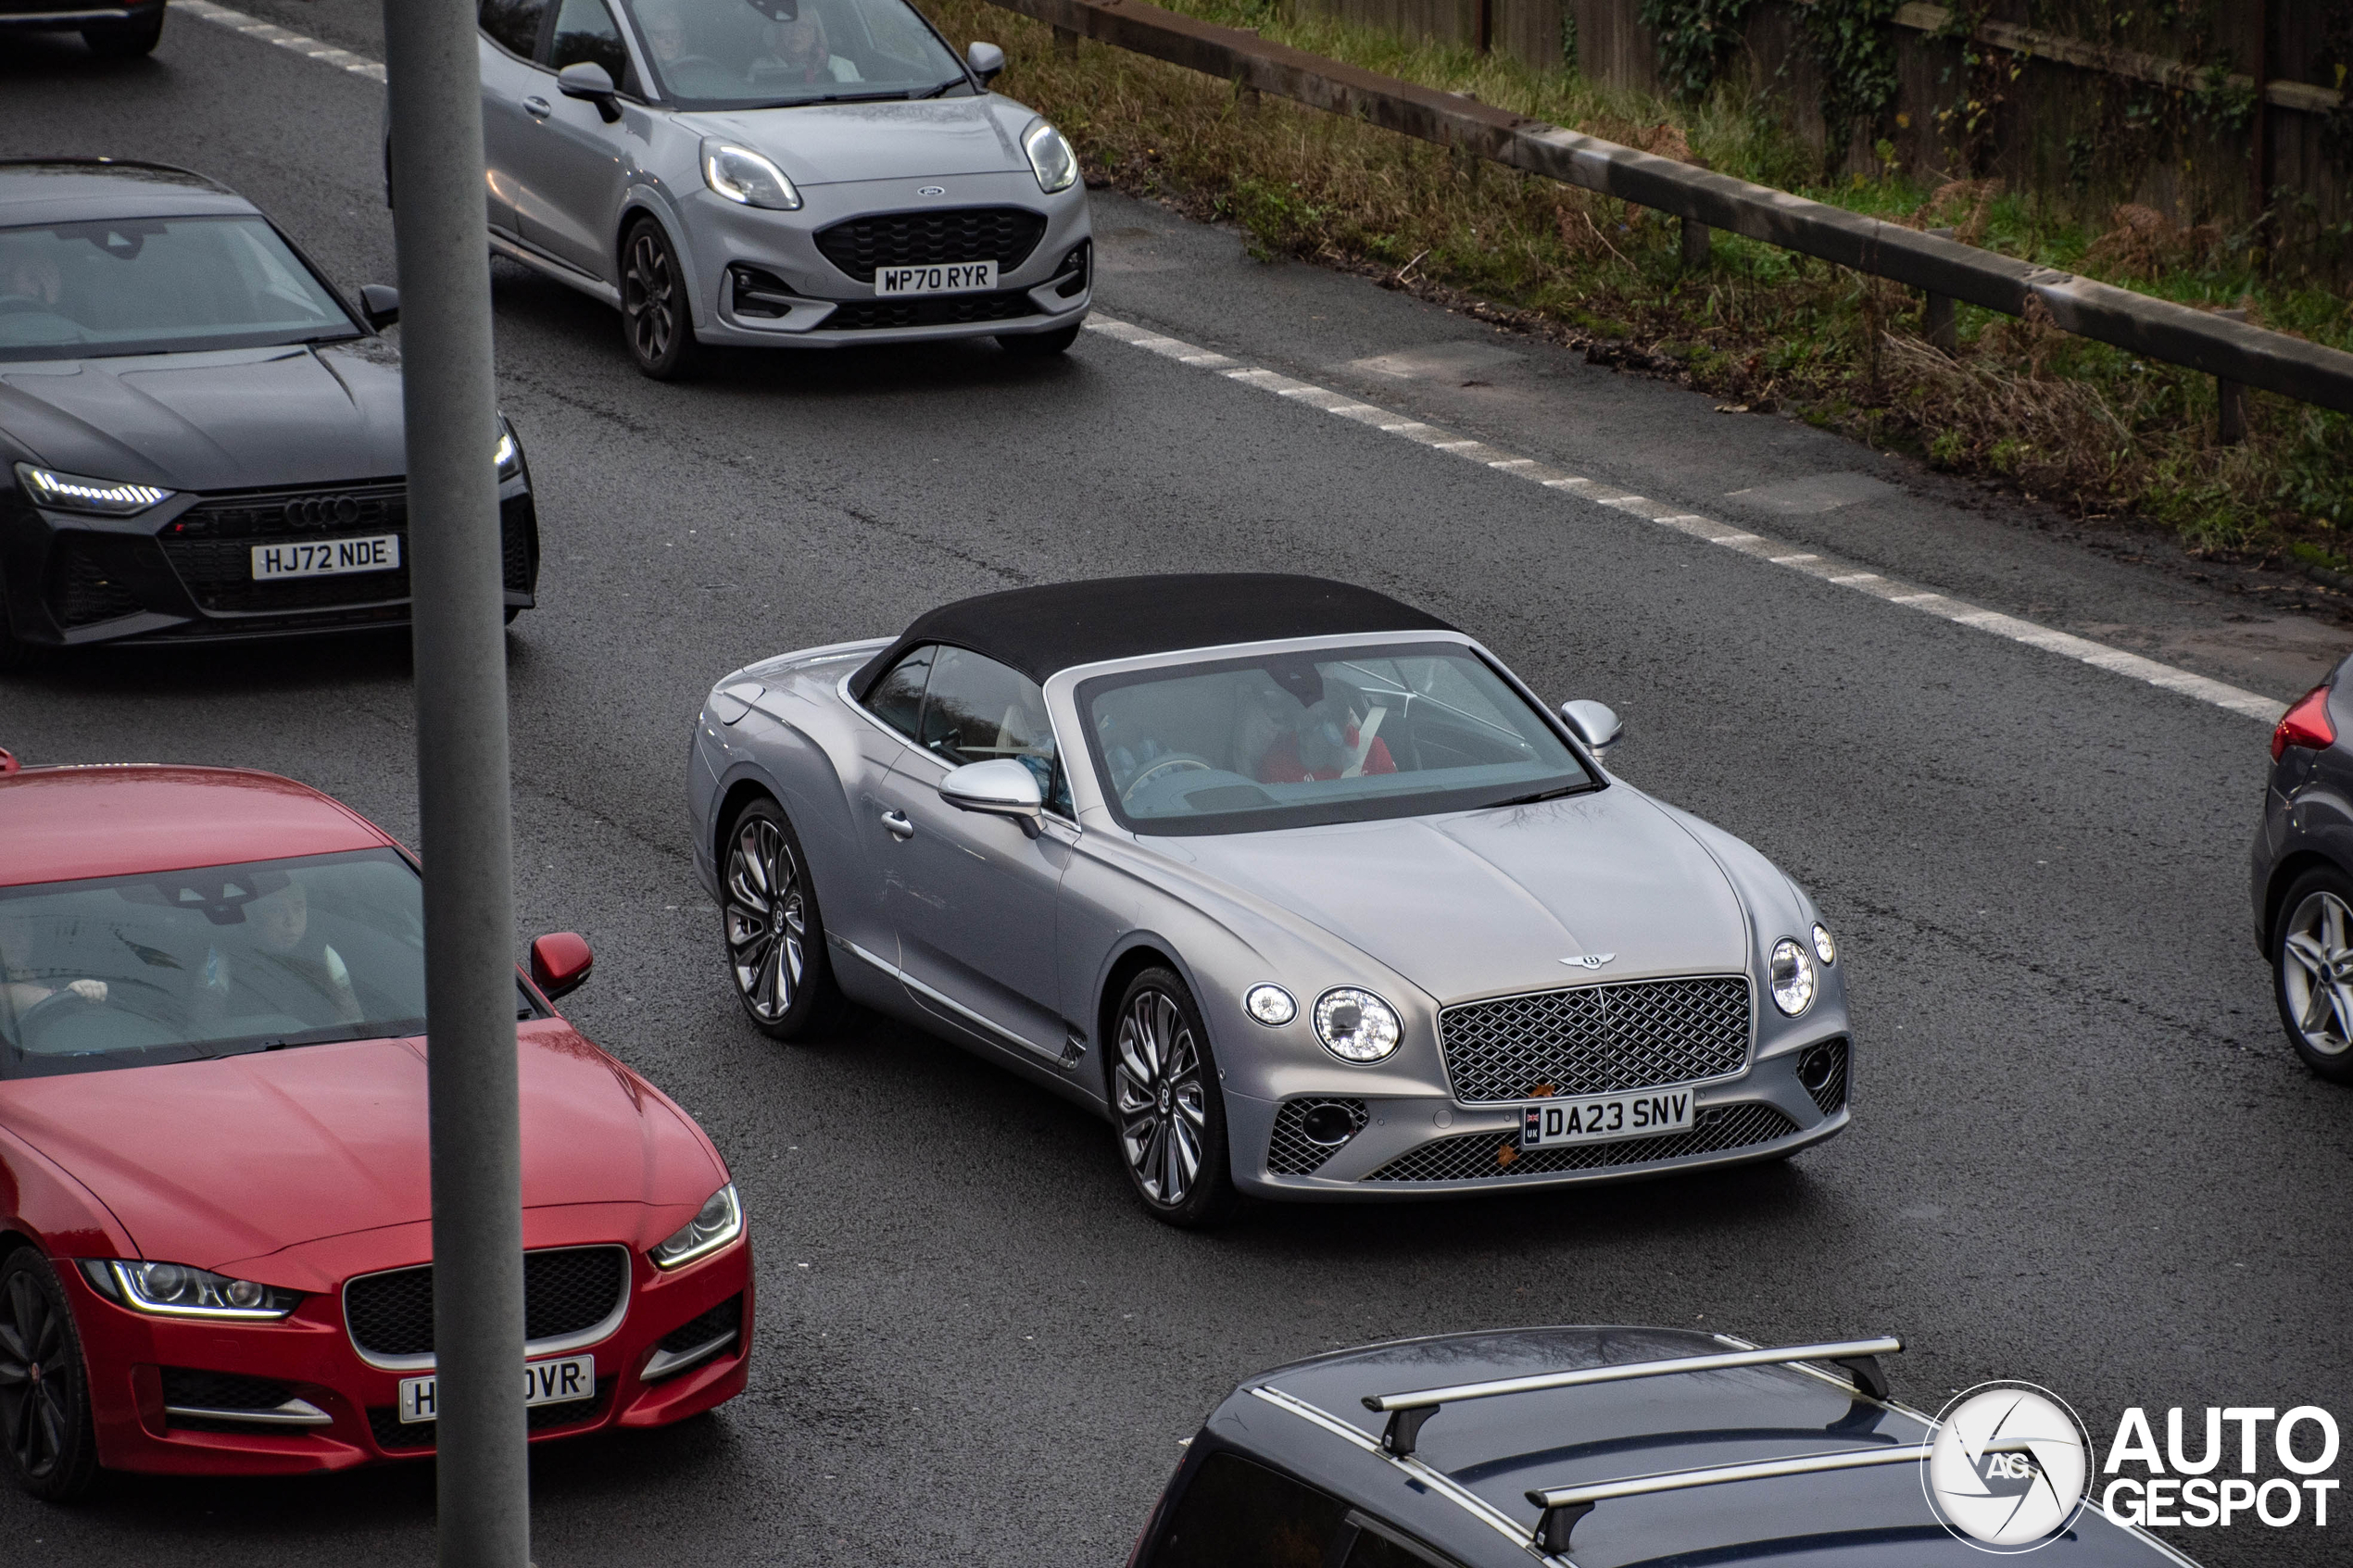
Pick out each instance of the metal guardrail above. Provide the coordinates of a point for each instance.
(1943, 268)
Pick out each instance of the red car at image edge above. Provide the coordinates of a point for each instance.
(215, 1210)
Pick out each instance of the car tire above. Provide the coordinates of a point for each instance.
(47, 1430)
(657, 316)
(1168, 1114)
(1039, 345)
(125, 41)
(772, 931)
(2311, 962)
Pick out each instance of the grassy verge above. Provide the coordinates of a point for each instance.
(2089, 427)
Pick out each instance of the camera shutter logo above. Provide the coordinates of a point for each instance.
(2007, 1468)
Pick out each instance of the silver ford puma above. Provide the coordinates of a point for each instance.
(1297, 885)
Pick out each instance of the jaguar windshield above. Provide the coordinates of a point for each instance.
(158, 285)
(1289, 740)
(746, 54)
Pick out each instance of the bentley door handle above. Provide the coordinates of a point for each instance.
(540, 107)
(899, 827)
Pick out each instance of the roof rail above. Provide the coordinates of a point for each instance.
(1857, 1358)
(1563, 1506)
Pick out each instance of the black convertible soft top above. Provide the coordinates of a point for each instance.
(1043, 630)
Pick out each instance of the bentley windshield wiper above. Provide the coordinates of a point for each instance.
(1553, 794)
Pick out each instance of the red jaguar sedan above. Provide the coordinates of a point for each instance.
(215, 1233)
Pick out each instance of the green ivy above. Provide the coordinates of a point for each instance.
(1854, 44)
(1696, 39)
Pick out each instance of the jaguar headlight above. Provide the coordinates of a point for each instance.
(178, 1291)
(1049, 158)
(1356, 1025)
(1271, 1005)
(718, 1223)
(510, 457)
(76, 492)
(1824, 948)
(1791, 974)
(743, 176)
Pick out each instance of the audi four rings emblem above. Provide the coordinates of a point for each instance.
(323, 508)
(931, 191)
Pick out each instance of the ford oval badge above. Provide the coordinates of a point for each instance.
(933, 191)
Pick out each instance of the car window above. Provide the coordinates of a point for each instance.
(1378, 1546)
(513, 25)
(743, 54)
(1235, 1514)
(586, 31)
(897, 698)
(976, 708)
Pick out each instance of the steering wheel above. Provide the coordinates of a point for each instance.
(19, 303)
(1180, 763)
(36, 1019)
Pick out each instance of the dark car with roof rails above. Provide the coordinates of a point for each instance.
(122, 30)
(1584, 1447)
(201, 437)
(2301, 875)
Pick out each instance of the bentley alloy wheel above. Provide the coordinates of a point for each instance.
(775, 945)
(45, 1403)
(2314, 960)
(1170, 1119)
(654, 310)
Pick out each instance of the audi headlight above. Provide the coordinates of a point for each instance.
(76, 493)
(1356, 1025)
(177, 1290)
(1824, 948)
(742, 175)
(1049, 158)
(720, 1220)
(509, 457)
(1791, 974)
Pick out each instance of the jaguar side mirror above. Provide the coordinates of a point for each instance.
(986, 62)
(999, 787)
(1595, 723)
(380, 305)
(8, 763)
(559, 963)
(592, 84)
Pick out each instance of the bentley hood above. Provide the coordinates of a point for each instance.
(835, 144)
(208, 1163)
(226, 419)
(1503, 901)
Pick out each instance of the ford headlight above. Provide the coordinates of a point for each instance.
(1049, 158)
(719, 1222)
(742, 175)
(75, 493)
(1356, 1025)
(1791, 974)
(179, 1291)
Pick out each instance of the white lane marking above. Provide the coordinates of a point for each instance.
(270, 32)
(1842, 574)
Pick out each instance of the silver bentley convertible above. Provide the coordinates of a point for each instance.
(1300, 887)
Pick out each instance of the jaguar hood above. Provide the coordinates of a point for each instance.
(224, 420)
(835, 144)
(1484, 902)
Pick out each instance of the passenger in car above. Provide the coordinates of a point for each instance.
(1338, 737)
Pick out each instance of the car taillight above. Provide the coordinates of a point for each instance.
(2306, 724)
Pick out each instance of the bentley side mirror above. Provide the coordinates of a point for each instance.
(589, 80)
(380, 305)
(999, 787)
(560, 963)
(1595, 723)
(986, 62)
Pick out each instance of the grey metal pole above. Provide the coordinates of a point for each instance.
(455, 578)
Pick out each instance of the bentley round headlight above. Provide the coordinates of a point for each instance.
(1271, 1005)
(1824, 948)
(1791, 974)
(1356, 1025)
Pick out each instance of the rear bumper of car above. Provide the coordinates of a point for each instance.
(39, 15)
(191, 1396)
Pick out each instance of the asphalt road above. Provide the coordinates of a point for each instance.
(2082, 1154)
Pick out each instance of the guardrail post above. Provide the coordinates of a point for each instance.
(1066, 42)
(1937, 323)
(1695, 245)
(2229, 400)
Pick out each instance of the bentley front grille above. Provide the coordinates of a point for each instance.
(1003, 235)
(1309, 1132)
(1595, 1039)
(1497, 1156)
(566, 1291)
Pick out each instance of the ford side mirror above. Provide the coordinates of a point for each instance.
(559, 963)
(999, 787)
(986, 62)
(592, 84)
(380, 305)
(1595, 723)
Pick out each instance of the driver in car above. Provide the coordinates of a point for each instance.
(800, 51)
(287, 969)
(1334, 737)
(33, 279)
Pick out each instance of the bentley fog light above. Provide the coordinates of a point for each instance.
(1791, 974)
(180, 1291)
(100, 497)
(1824, 948)
(1270, 1005)
(742, 175)
(1356, 1025)
(720, 1220)
(1049, 158)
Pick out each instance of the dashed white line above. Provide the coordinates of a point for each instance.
(1841, 574)
(271, 32)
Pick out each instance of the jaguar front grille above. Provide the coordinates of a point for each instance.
(1595, 1039)
(568, 1292)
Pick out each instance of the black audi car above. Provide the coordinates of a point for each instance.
(115, 30)
(1591, 1447)
(2303, 876)
(200, 436)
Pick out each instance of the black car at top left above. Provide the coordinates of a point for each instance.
(200, 436)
